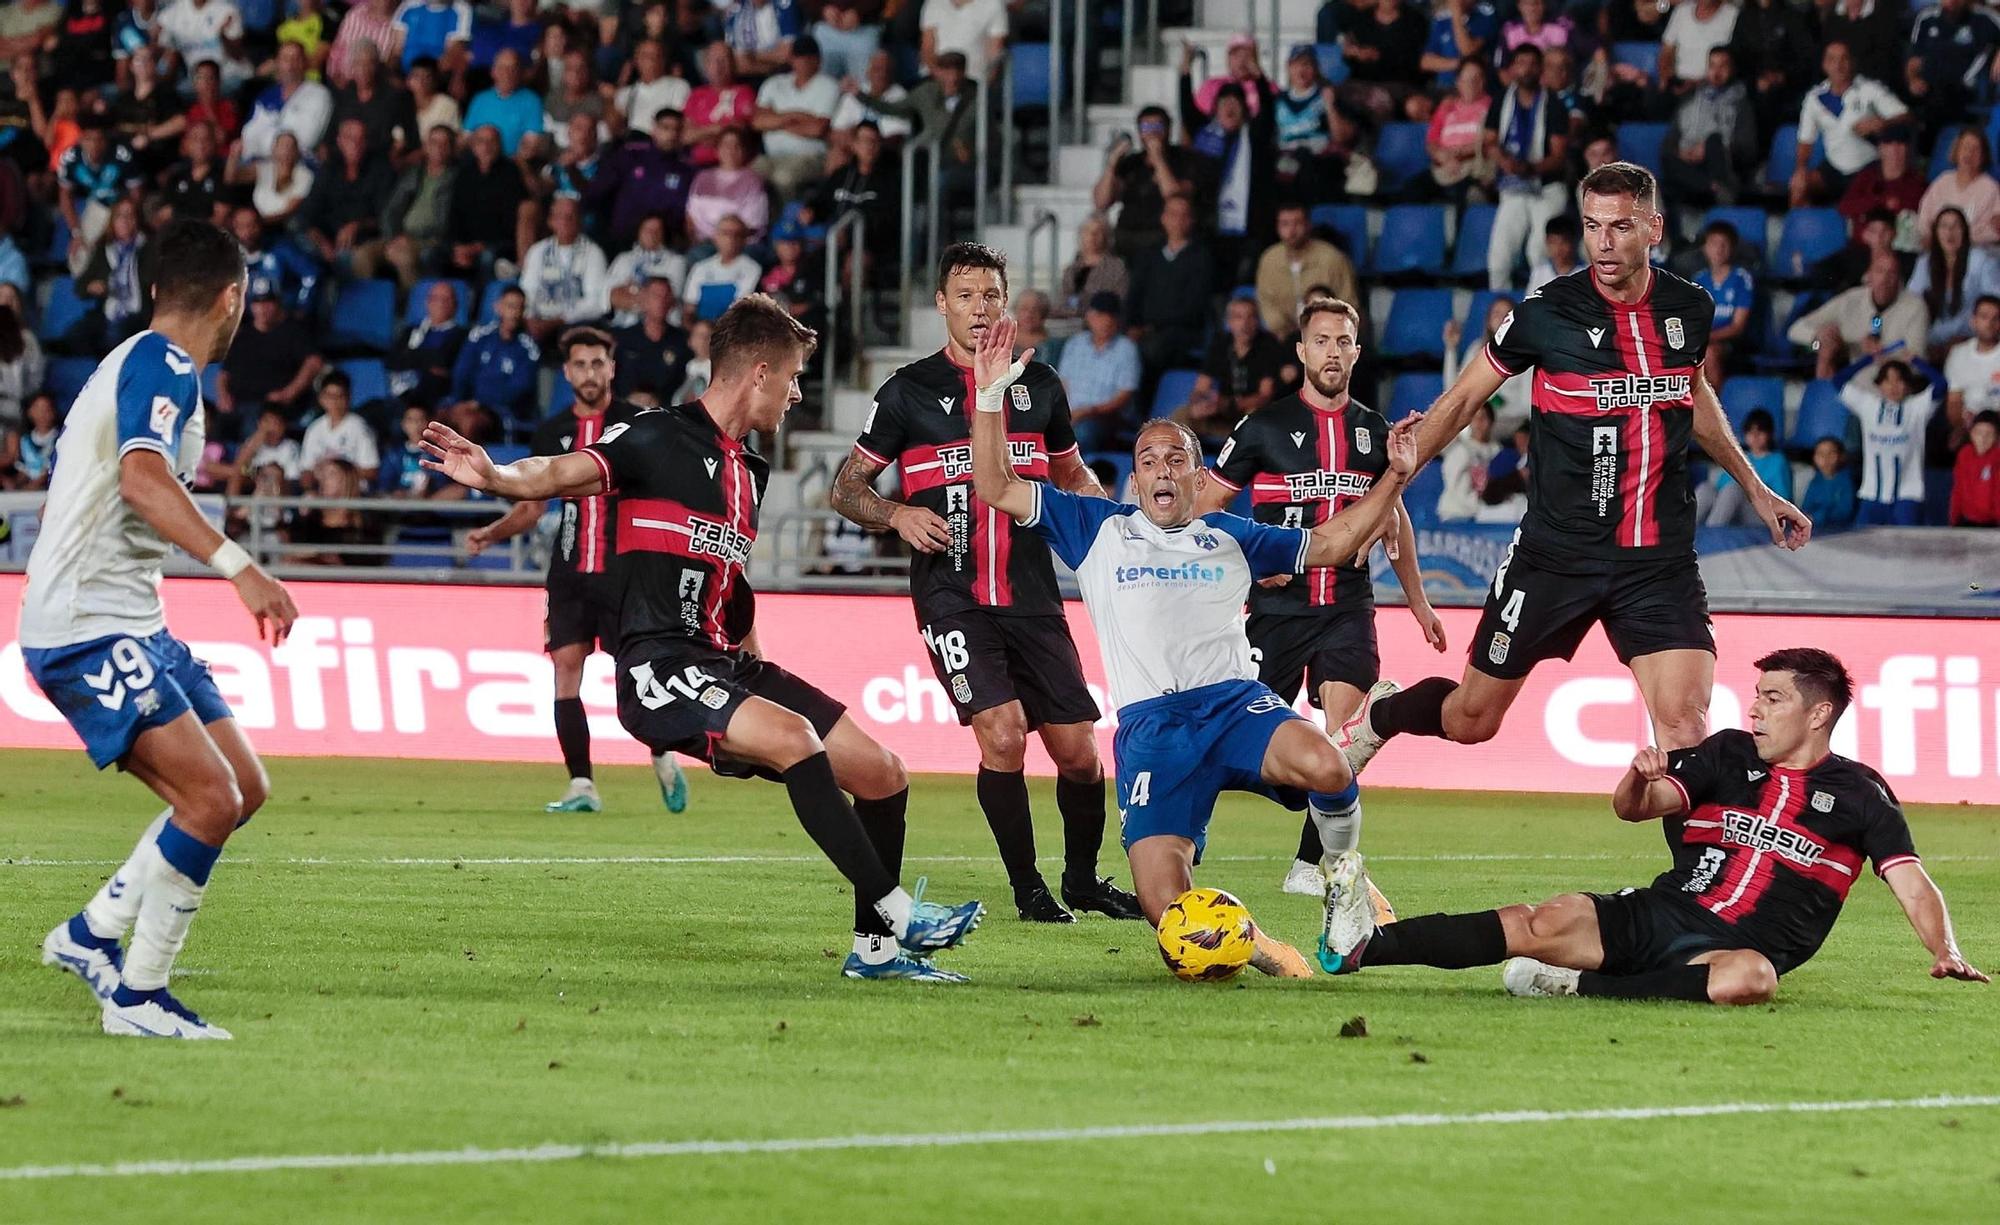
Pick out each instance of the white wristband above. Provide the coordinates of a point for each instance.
(230, 560)
(994, 399)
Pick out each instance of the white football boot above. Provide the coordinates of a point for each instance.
(1305, 879)
(72, 947)
(156, 1014)
(1524, 976)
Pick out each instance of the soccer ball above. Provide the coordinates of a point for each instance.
(1205, 936)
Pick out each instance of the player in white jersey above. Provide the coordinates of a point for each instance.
(94, 633)
(1165, 589)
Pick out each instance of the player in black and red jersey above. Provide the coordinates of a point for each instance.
(583, 601)
(1768, 830)
(984, 588)
(1304, 458)
(690, 676)
(1618, 393)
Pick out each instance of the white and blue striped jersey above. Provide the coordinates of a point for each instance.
(1167, 603)
(1892, 441)
(95, 570)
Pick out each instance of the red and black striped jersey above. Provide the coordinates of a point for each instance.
(686, 496)
(1613, 412)
(1302, 466)
(588, 538)
(919, 424)
(1772, 851)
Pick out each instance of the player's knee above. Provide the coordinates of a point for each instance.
(1555, 918)
(1003, 744)
(1076, 759)
(253, 785)
(885, 776)
(211, 808)
(1682, 723)
(1742, 979)
(1324, 768)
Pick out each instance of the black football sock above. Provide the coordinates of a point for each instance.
(1447, 941)
(827, 816)
(1673, 983)
(1083, 814)
(1003, 796)
(573, 734)
(1418, 710)
(885, 823)
(1310, 849)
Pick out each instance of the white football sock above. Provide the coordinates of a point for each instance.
(895, 910)
(110, 914)
(166, 911)
(1339, 828)
(874, 950)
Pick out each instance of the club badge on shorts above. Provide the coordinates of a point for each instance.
(1496, 650)
(961, 689)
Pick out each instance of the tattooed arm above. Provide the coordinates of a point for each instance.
(855, 498)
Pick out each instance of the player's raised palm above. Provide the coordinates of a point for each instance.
(458, 457)
(993, 357)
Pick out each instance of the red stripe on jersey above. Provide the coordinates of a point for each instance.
(1332, 458)
(1645, 437)
(933, 467)
(1495, 363)
(661, 525)
(1894, 861)
(603, 471)
(1215, 474)
(591, 532)
(1736, 894)
(883, 460)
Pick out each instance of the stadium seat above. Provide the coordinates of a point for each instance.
(1332, 62)
(1808, 236)
(1784, 156)
(1416, 324)
(63, 311)
(1750, 229)
(364, 316)
(713, 301)
(1412, 240)
(491, 296)
(1643, 143)
(66, 376)
(1641, 55)
(1349, 223)
(1174, 389)
(56, 254)
(1401, 155)
(1421, 495)
(1821, 415)
(371, 380)
(1744, 392)
(1029, 62)
(1413, 393)
(413, 310)
(1475, 235)
(1473, 324)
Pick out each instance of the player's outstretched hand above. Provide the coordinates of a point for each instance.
(1403, 445)
(921, 529)
(1650, 764)
(477, 540)
(994, 355)
(458, 457)
(1953, 965)
(1790, 528)
(1433, 627)
(268, 601)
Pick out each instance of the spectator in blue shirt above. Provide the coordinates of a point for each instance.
(425, 357)
(520, 31)
(493, 382)
(760, 32)
(1829, 500)
(1100, 373)
(1464, 29)
(1734, 291)
(436, 29)
(1730, 508)
(506, 107)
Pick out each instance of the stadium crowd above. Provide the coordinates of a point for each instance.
(431, 191)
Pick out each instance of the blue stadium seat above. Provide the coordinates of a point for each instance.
(1412, 240)
(64, 310)
(1401, 155)
(426, 536)
(1174, 389)
(371, 380)
(1750, 227)
(413, 310)
(1744, 392)
(1808, 236)
(1421, 495)
(1641, 55)
(713, 301)
(1332, 62)
(1784, 155)
(364, 316)
(66, 376)
(1416, 324)
(1643, 143)
(491, 296)
(1032, 79)
(1821, 415)
(1475, 235)
(56, 254)
(1349, 222)
(1413, 393)
(1473, 324)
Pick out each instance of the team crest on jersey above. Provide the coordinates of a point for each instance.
(1362, 443)
(1019, 395)
(961, 689)
(1675, 336)
(1205, 540)
(1822, 802)
(1496, 650)
(1298, 438)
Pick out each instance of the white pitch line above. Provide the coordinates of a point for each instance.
(398, 861)
(544, 1153)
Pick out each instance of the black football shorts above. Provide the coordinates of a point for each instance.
(1535, 611)
(680, 698)
(1653, 928)
(1316, 649)
(985, 660)
(582, 609)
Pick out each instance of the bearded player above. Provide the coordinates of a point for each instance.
(582, 594)
(1165, 589)
(690, 676)
(984, 588)
(1304, 458)
(1618, 393)
(93, 632)
(1768, 829)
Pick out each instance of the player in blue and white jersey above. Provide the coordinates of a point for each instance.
(94, 635)
(1165, 589)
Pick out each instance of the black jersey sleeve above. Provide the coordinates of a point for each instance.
(887, 430)
(1242, 457)
(548, 437)
(1886, 839)
(629, 452)
(1521, 338)
(1698, 319)
(1060, 436)
(1696, 771)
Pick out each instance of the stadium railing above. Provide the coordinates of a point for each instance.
(1045, 219)
(922, 148)
(856, 222)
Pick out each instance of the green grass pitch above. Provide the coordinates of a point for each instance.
(385, 1006)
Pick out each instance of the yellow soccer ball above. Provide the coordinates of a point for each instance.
(1206, 936)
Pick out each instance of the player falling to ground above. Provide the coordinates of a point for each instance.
(985, 591)
(93, 631)
(1768, 830)
(1609, 535)
(583, 596)
(1165, 589)
(690, 676)
(1305, 458)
